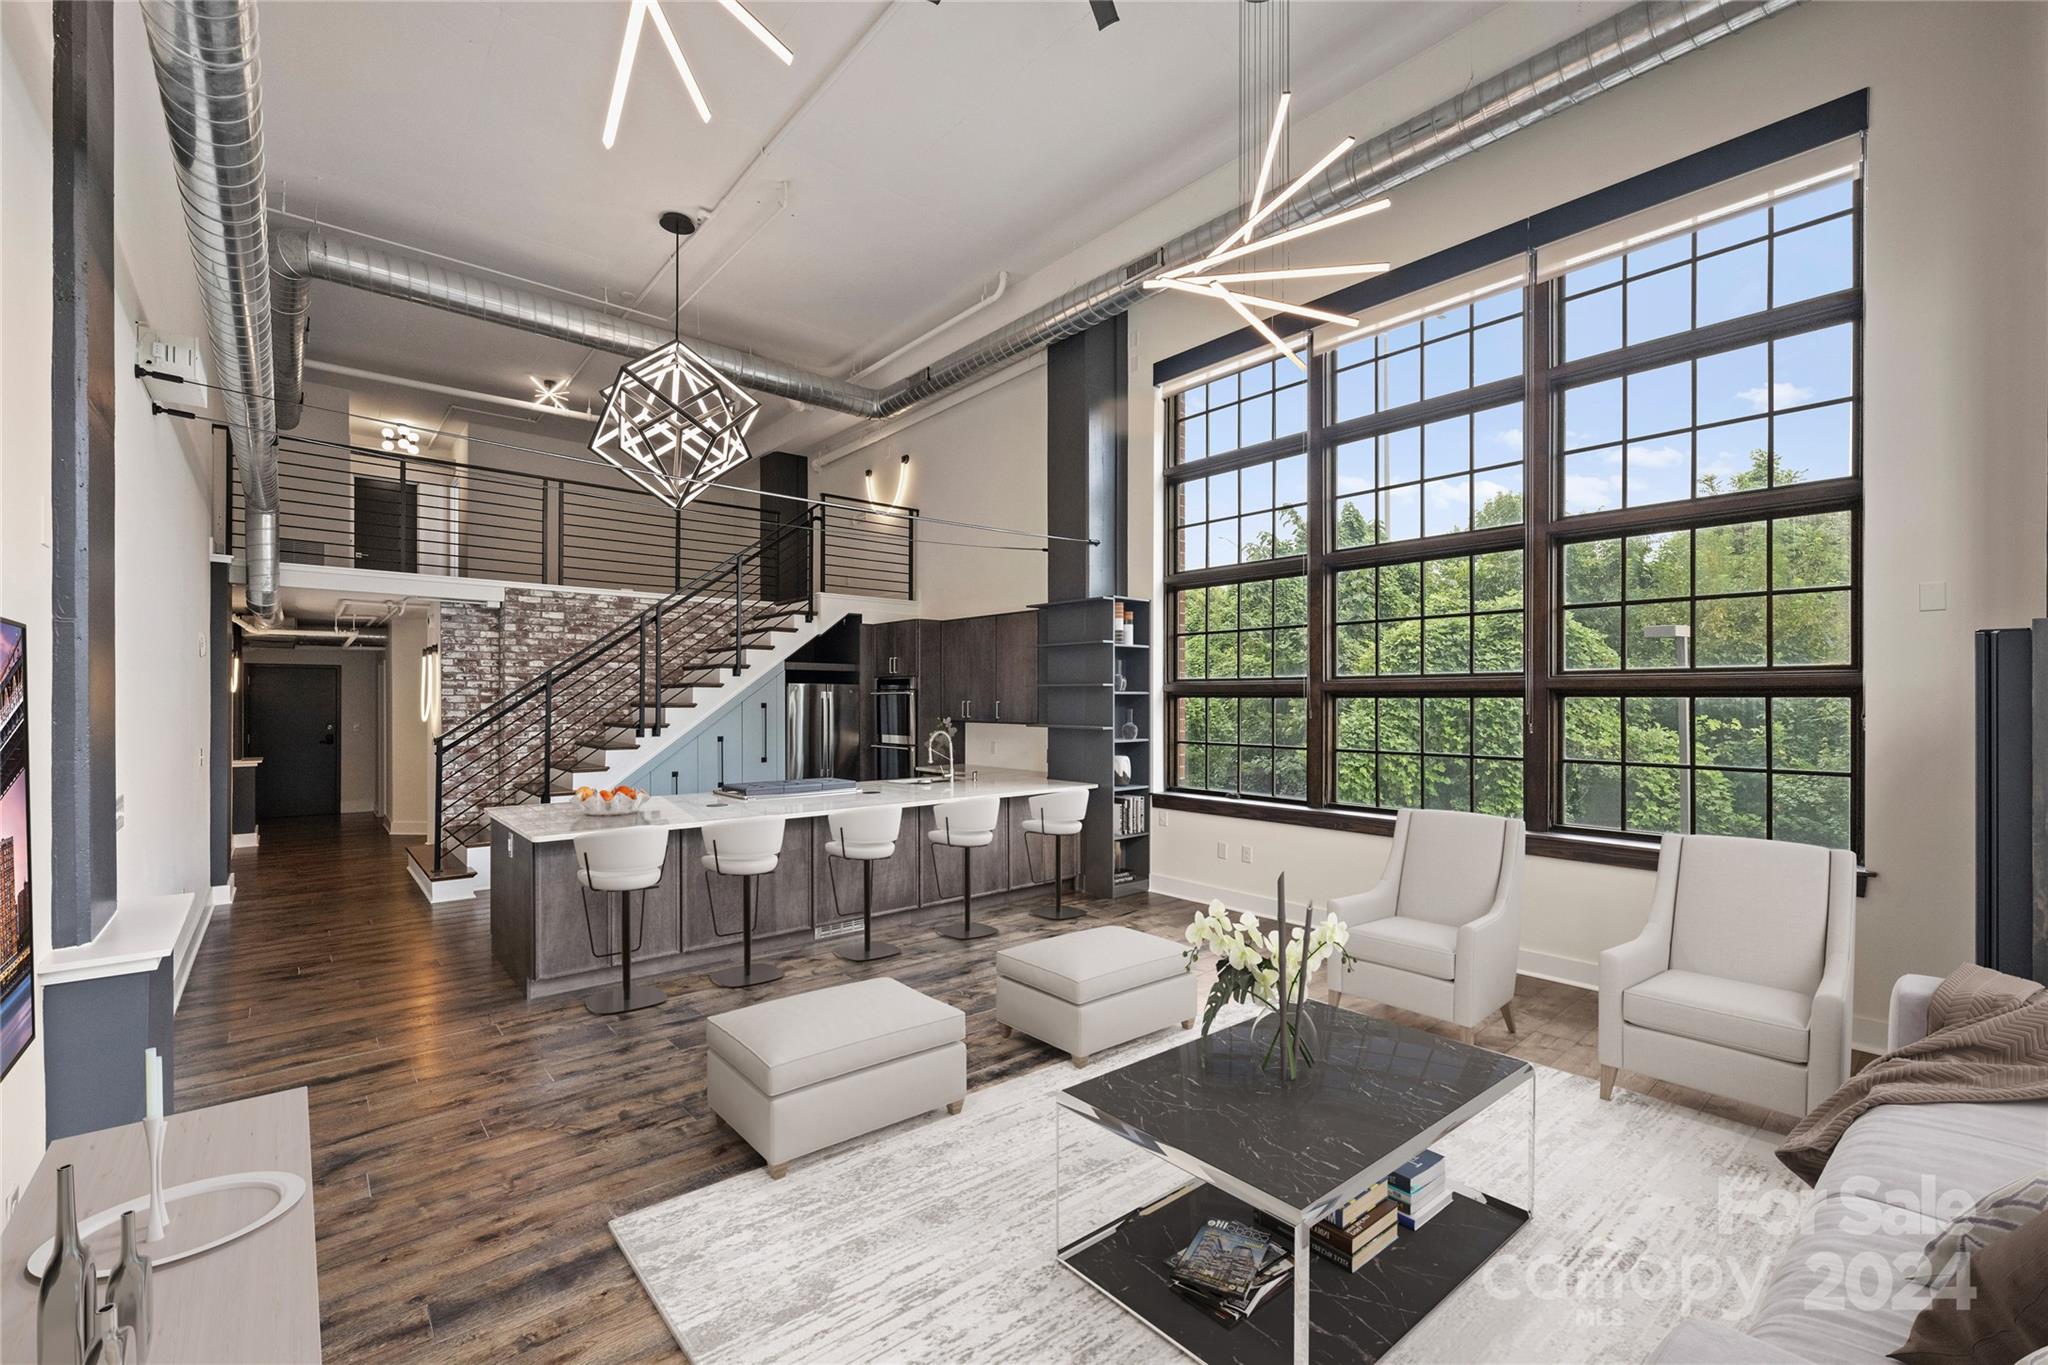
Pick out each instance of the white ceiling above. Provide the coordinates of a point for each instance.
(862, 195)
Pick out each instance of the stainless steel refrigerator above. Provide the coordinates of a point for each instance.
(824, 730)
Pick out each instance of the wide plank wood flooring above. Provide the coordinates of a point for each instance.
(469, 1147)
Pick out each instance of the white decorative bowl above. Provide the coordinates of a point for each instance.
(618, 805)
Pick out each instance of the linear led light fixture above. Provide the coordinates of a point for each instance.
(1291, 235)
(1209, 287)
(644, 10)
(1256, 324)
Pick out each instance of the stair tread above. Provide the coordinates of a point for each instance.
(454, 866)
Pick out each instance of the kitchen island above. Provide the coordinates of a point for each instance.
(543, 931)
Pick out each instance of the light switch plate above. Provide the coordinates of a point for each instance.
(1934, 597)
(1245, 852)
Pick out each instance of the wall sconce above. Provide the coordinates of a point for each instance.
(430, 688)
(902, 484)
(401, 439)
(234, 671)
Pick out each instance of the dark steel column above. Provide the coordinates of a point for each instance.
(81, 700)
(1087, 432)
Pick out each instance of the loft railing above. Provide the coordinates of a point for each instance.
(355, 507)
(527, 744)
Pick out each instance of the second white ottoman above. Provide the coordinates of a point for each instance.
(1094, 988)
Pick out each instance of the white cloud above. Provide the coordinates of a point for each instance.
(1590, 493)
(1781, 394)
(1656, 457)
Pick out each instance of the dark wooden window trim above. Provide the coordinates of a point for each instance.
(1544, 531)
(1609, 850)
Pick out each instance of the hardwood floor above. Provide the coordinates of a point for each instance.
(469, 1147)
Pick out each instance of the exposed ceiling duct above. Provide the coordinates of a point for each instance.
(1609, 53)
(204, 52)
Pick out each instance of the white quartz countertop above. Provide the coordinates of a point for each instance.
(562, 819)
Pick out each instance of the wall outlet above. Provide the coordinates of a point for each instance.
(1245, 852)
(1222, 849)
(1162, 817)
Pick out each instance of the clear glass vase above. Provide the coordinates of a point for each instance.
(1272, 1052)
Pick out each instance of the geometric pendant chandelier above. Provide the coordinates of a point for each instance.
(671, 422)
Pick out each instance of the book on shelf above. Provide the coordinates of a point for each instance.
(1355, 1260)
(1359, 1205)
(1426, 1206)
(1417, 1176)
(1130, 815)
(1359, 1231)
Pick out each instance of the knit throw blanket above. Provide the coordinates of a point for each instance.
(1987, 1039)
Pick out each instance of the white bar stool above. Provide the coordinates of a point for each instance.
(864, 836)
(747, 849)
(1053, 816)
(620, 862)
(966, 824)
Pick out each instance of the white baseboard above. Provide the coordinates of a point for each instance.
(407, 829)
(452, 892)
(225, 893)
(359, 807)
(1867, 1034)
(248, 840)
(1569, 971)
(187, 950)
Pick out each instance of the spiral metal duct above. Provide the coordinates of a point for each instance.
(1616, 50)
(204, 52)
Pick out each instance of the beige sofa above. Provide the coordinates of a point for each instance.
(1841, 1290)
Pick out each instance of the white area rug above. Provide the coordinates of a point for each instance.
(932, 1241)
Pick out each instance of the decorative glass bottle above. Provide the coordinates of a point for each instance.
(128, 1291)
(107, 1347)
(64, 1306)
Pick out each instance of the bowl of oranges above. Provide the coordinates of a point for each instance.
(619, 800)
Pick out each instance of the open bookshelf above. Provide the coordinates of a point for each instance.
(1093, 681)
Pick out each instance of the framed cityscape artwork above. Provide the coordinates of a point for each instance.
(17, 936)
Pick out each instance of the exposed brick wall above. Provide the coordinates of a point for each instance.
(487, 653)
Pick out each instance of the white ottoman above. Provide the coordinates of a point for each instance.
(794, 1076)
(1085, 991)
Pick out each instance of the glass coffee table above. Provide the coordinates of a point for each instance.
(1147, 1154)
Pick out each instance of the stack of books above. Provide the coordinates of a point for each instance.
(1359, 1231)
(1130, 815)
(1230, 1268)
(1422, 1189)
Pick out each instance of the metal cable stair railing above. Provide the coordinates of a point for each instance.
(528, 744)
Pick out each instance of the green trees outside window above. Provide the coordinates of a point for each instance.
(1585, 551)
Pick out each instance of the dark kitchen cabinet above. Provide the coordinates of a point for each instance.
(962, 680)
(887, 649)
(1016, 699)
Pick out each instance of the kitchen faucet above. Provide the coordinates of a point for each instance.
(931, 745)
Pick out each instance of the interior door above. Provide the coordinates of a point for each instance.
(387, 511)
(291, 719)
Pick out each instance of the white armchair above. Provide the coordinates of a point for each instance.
(1441, 932)
(1739, 984)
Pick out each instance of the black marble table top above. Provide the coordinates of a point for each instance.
(1377, 1094)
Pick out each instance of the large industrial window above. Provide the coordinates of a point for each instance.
(1583, 548)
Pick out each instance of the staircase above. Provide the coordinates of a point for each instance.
(618, 693)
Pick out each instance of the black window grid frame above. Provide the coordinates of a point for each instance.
(1426, 752)
(1770, 595)
(1543, 532)
(1768, 773)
